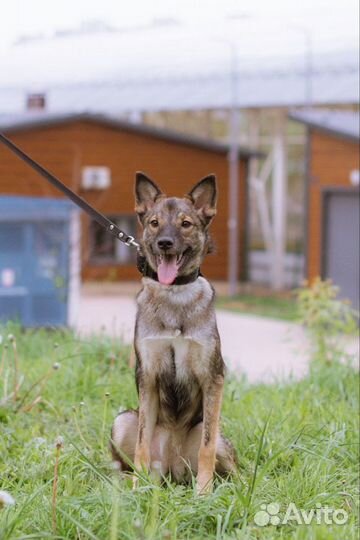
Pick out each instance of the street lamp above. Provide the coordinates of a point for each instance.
(233, 161)
(233, 222)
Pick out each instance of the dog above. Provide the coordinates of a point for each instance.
(179, 368)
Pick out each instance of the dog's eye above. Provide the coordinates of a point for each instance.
(186, 224)
(154, 223)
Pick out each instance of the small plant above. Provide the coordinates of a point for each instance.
(10, 370)
(6, 499)
(326, 317)
(59, 443)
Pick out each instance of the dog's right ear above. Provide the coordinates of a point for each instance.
(146, 194)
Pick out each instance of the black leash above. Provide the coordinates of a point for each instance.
(142, 264)
(79, 201)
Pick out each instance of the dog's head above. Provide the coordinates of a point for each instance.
(175, 230)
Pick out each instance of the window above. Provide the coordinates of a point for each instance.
(106, 249)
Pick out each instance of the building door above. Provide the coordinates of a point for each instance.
(341, 242)
(34, 272)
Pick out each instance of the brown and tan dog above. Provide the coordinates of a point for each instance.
(179, 367)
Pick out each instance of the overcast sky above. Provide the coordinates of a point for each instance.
(331, 21)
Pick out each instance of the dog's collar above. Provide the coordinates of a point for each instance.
(145, 269)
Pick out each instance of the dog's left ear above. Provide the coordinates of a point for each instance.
(204, 196)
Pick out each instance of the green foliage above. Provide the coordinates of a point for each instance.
(296, 442)
(326, 317)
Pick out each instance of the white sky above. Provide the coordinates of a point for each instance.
(331, 21)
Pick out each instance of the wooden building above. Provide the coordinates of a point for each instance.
(97, 156)
(332, 222)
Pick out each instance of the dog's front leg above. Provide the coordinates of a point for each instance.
(148, 412)
(212, 397)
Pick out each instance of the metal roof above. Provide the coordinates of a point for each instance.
(173, 69)
(342, 123)
(10, 123)
(282, 88)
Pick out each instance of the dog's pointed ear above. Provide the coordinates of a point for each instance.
(204, 197)
(146, 193)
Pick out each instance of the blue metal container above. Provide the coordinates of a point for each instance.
(34, 260)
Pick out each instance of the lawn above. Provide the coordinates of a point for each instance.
(296, 442)
(275, 307)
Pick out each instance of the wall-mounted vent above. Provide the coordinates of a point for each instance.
(35, 102)
(96, 178)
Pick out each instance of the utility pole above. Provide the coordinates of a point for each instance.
(233, 188)
(308, 62)
(279, 199)
(233, 168)
(308, 66)
(280, 172)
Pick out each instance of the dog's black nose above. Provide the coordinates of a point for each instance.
(165, 243)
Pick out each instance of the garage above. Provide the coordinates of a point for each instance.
(332, 198)
(341, 258)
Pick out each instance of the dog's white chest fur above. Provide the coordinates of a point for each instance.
(175, 326)
(181, 353)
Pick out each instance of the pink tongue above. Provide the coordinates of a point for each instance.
(167, 271)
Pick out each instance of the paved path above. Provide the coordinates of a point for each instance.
(261, 348)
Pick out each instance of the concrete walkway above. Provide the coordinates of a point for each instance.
(262, 349)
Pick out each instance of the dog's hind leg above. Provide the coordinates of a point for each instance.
(123, 439)
(226, 460)
(123, 443)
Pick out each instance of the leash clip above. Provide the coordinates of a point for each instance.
(130, 241)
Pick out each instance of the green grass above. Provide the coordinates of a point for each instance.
(275, 307)
(296, 442)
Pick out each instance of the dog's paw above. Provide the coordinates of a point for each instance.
(135, 482)
(204, 484)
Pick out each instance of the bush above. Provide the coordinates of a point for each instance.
(326, 318)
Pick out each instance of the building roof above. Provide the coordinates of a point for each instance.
(174, 68)
(11, 123)
(337, 122)
(256, 87)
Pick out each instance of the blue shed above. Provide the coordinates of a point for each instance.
(36, 282)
